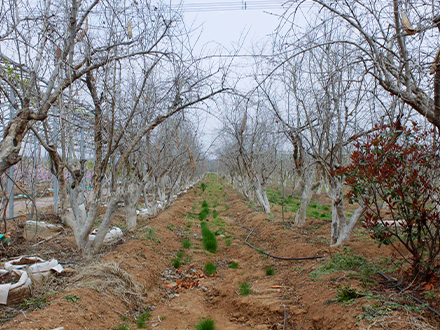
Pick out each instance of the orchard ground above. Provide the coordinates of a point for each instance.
(155, 277)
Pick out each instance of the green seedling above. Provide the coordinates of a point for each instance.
(206, 324)
(210, 268)
(141, 319)
(244, 288)
(233, 265)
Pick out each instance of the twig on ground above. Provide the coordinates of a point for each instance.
(47, 239)
(304, 319)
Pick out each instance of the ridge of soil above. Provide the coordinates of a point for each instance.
(179, 298)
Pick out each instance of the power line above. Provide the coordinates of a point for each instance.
(233, 5)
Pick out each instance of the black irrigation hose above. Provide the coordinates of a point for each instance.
(318, 257)
(266, 253)
(4, 274)
(13, 218)
(27, 216)
(409, 295)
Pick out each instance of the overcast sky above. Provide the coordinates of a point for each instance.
(228, 24)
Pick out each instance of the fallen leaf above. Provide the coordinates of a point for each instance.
(428, 287)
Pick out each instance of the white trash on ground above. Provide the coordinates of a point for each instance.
(14, 293)
(142, 211)
(112, 235)
(40, 229)
(36, 267)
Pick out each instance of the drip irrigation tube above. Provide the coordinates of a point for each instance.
(267, 253)
(26, 216)
(13, 218)
(4, 274)
(410, 295)
(318, 257)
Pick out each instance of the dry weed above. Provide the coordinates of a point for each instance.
(413, 322)
(110, 278)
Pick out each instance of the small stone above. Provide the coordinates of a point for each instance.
(236, 315)
(171, 296)
(241, 319)
(204, 288)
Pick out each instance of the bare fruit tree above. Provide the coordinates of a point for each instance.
(398, 44)
(251, 144)
(116, 71)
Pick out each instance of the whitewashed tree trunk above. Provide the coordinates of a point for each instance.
(96, 245)
(82, 225)
(161, 190)
(261, 195)
(340, 229)
(132, 195)
(153, 208)
(145, 194)
(337, 209)
(307, 186)
(347, 229)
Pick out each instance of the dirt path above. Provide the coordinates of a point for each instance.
(178, 298)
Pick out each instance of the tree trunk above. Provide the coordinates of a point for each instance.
(95, 246)
(344, 236)
(261, 195)
(131, 198)
(339, 222)
(307, 191)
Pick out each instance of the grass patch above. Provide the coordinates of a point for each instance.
(228, 242)
(205, 205)
(177, 263)
(186, 243)
(244, 288)
(215, 214)
(233, 265)
(270, 271)
(346, 294)
(210, 268)
(34, 303)
(73, 298)
(122, 327)
(206, 324)
(191, 216)
(292, 203)
(141, 319)
(345, 260)
(429, 295)
(359, 266)
(180, 254)
(149, 233)
(209, 239)
(203, 214)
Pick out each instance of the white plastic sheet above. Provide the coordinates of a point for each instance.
(15, 292)
(36, 267)
(113, 234)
